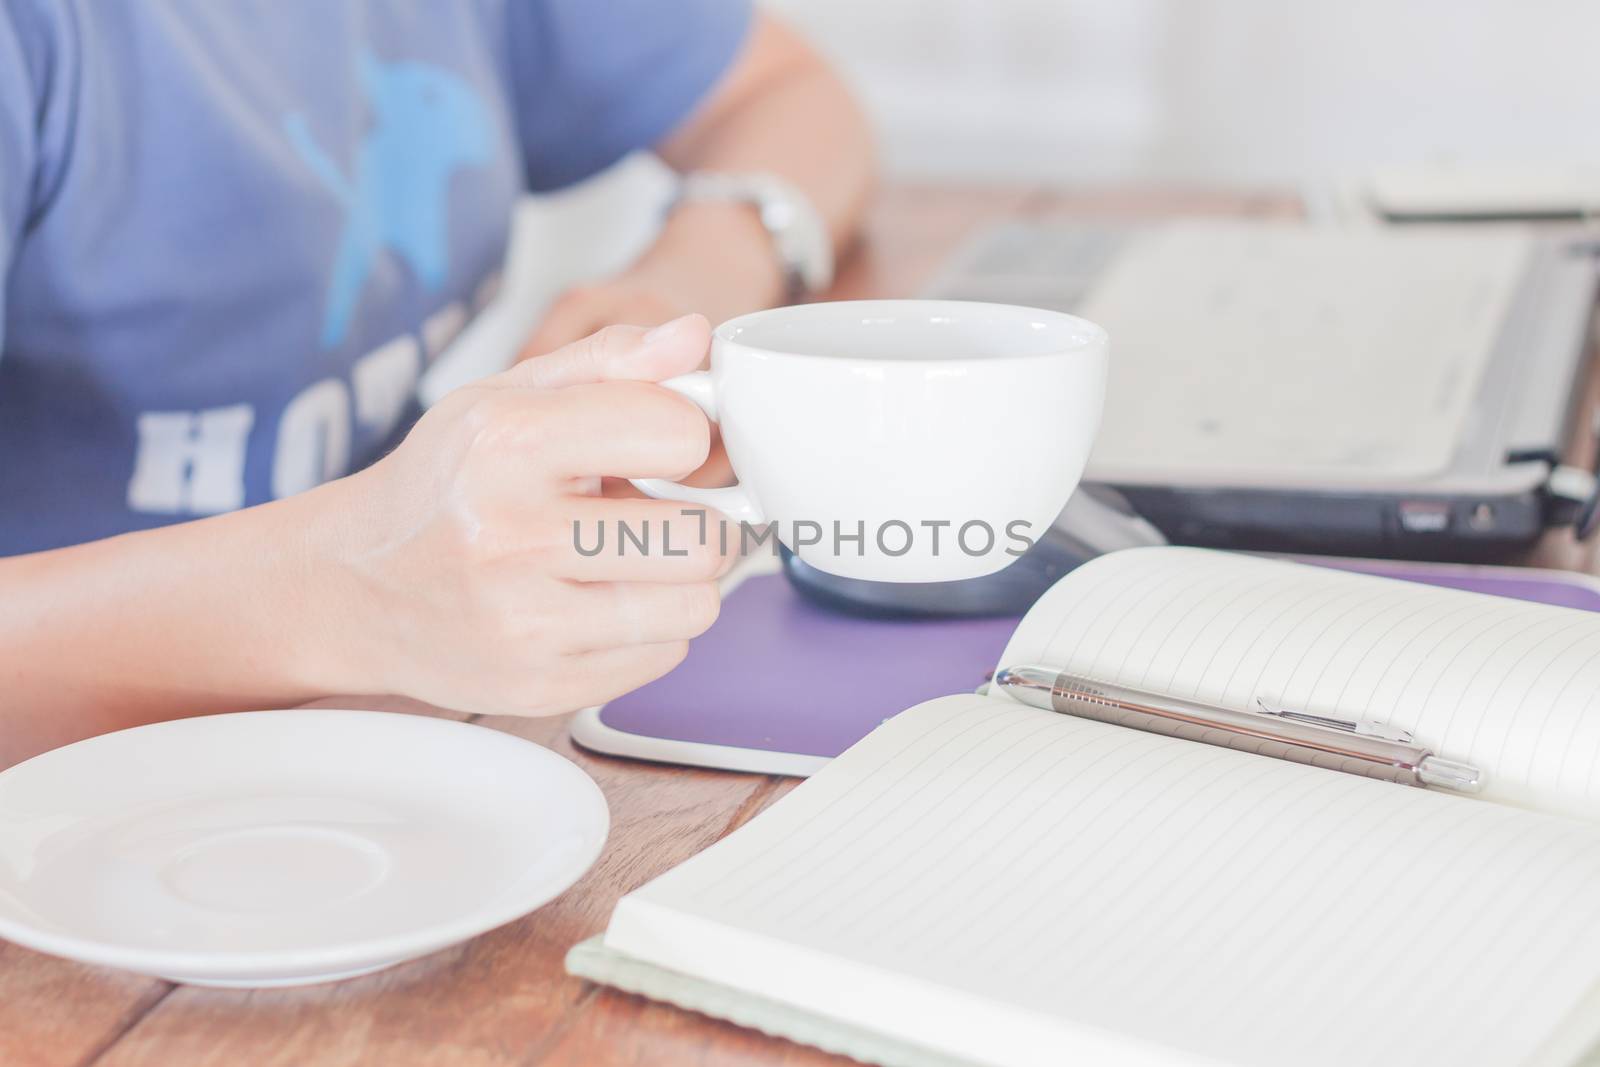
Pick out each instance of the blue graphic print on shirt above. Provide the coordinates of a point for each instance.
(427, 124)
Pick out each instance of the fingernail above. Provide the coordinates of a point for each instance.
(668, 329)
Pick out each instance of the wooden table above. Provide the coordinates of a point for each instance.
(503, 999)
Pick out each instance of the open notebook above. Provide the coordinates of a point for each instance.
(982, 882)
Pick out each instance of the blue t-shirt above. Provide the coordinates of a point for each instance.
(233, 234)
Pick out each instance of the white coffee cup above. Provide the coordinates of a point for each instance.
(899, 440)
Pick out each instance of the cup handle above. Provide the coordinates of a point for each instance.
(734, 501)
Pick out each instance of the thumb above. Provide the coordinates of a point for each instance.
(619, 353)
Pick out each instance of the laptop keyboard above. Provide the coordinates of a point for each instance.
(1053, 266)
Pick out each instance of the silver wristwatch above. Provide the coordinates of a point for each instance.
(799, 236)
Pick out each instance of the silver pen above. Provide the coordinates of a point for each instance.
(1355, 746)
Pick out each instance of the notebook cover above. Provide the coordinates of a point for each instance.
(592, 960)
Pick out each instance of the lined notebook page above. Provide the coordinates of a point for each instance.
(1018, 887)
(1511, 686)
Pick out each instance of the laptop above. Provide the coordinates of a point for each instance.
(1283, 387)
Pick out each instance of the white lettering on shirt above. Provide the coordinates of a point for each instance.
(193, 462)
(442, 327)
(385, 380)
(313, 438)
(190, 461)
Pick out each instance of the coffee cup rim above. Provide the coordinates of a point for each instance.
(1085, 336)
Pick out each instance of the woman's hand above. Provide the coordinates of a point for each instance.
(628, 299)
(712, 259)
(672, 281)
(447, 572)
(463, 557)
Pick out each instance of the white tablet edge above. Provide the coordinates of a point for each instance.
(590, 732)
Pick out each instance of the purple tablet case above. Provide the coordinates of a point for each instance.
(779, 674)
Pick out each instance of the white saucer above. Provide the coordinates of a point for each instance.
(286, 847)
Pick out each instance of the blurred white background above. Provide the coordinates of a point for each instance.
(1264, 93)
(1248, 91)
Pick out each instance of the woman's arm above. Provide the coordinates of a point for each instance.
(448, 571)
(779, 110)
(203, 616)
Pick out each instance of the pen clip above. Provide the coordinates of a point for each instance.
(1361, 727)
